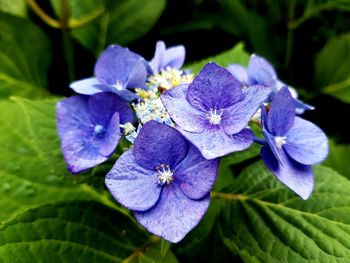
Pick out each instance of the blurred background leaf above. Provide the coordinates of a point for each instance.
(120, 21)
(25, 55)
(332, 74)
(14, 7)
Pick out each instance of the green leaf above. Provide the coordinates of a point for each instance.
(235, 55)
(79, 231)
(262, 221)
(338, 158)
(121, 21)
(25, 55)
(332, 68)
(14, 7)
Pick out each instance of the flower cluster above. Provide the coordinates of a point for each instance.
(183, 125)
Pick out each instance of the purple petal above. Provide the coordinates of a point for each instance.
(196, 175)
(236, 117)
(111, 136)
(158, 144)
(239, 72)
(131, 185)
(120, 67)
(86, 86)
(306, 143)
(301, 107)
(276, 150)
(214, 87)
(281, 116)
(104, 105)
(79, 144)
(215, 143)
(173, 57)
(296, 176)
(174, 215)
(261, 72)
(181, 111)
(156, 61)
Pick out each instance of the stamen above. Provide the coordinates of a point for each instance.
(214, 116)
(165, 175)
(280, 140)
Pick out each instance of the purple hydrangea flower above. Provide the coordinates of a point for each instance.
(116, 70)
(261, 72)
(164, 180)
(88, 127)
(173, 57)
(293, 145)
(213, 111)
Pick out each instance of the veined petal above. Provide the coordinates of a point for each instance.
(296, 176)
(116, 65)
(213, 88)
(86, 86)
(104, 105)
(111, 136)
(261, 72)
(216, 143)
(196, 175)
(281, 116)
(131, 185)
(236, 117)
(174, 215)
(239, 72)
(173, 57)
(158, 144)
(181, 111)
(301, 107)
(306, 143)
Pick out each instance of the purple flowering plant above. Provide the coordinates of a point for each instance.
(178, 127)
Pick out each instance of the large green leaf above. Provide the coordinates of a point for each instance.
(235, 55)
(121, 21)
(338, 158)
(263, 221)
(25, 55)
(332, 74)
(82, 231)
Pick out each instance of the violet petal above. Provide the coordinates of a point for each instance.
(196, 175)
(131, 185)
(174, 215)
(306, 143)
(281, 116)
(296, 176)
(181, 111)
(159, 144)
(236, 117)
(214, 87)
(216, 143)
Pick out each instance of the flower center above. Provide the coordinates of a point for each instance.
(214, 116)
(165, 175)
(169, 78)
(99, 130)
(280, 140)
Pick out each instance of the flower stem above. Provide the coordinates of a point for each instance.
(44, 16)
(260, 141)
